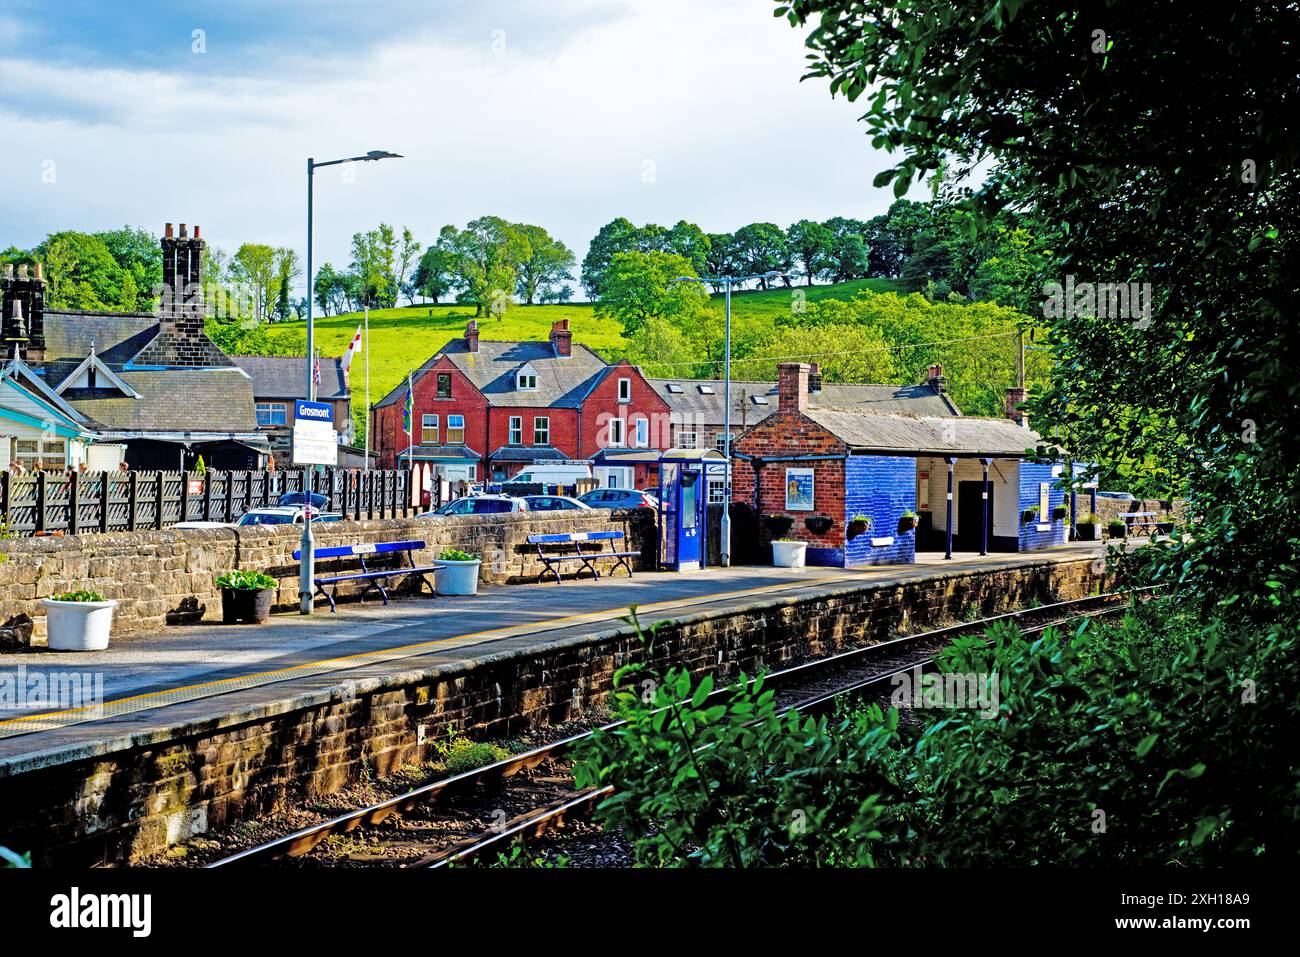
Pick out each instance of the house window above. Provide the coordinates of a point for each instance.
(527, 381)
(516, 430)
(429, 430)
(721, 441)
(542, 430)
(688, 440)
(617, 432)
(642, 433)
(271, 413)
(455, 430)
(41, 453)
(444, 385)
(624, 390)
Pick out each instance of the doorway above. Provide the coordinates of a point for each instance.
(970, 525)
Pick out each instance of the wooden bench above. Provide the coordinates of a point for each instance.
(1140, 520)
(373, 577)
(571, 543)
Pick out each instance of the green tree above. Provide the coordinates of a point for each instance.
(639, 287)
(139, 256)
(409, 256)
(254, 266)
(616, 236)
(435, 276)
(812, 243)
(760, 248)
(82, 273)
(547, 262)
(848, 259)
(486, 256)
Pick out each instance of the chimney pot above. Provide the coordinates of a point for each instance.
(184, 234)
(22, 270)
(168, 232)
(561, 337)
(471, 335)
(196, 230)
(1016, 396)
(815, 377)
(38, 271)
(9, 270)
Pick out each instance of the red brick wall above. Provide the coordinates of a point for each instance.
(602, 405)
(465, 400)
(784, 434)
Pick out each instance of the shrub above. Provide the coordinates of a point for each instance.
(1112, 745)
(246, 581)
(459, 754)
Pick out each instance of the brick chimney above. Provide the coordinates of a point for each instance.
(181, 339)
(24, 295)
(815, 377)
(935, 378)
(1016, 397)
(471, 335)
(561, 338)
(792, 387)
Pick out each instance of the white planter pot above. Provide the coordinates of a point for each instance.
(457, 578)
(78, 625)
(789, 554)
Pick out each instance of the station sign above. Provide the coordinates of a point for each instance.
(315, 442)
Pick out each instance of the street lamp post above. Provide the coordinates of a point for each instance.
(307, 543)
(727, 282)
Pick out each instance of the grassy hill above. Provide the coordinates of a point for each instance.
(402, 338)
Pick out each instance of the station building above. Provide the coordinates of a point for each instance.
(850, 481)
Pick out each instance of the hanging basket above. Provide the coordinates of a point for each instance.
(907, 524)
(819, 524)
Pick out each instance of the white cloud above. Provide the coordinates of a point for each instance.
(556, 130)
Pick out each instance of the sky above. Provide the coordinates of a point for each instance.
(564, 114)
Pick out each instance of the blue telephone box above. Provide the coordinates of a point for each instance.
(683, 507)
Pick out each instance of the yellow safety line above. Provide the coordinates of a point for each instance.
(49, 720)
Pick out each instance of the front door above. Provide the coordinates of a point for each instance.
(970, 524)
(688, 511)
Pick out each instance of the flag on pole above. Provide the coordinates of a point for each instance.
(408, 407)
(315, 371)
(353, 348)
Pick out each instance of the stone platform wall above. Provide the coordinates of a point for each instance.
(137, 796)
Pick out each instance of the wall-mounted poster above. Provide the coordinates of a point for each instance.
(799, 490)
(1044, 500)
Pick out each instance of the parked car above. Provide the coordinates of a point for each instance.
(284, 515)
(554, 503)
(479, 505)
(300, 498)
(618, 498)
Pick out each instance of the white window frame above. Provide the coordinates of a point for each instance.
(526, 382)
(617, 433)
(641, 433)
(270, 408)
(452, 428)
(718, 440)
(425, 428)
(541, 430)
(694, 442)
(717, 491)
(624, 391)
(516, 436)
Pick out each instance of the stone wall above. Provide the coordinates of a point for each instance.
(169, 577)
(134, 796)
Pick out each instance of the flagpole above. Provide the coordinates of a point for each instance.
(365, 347)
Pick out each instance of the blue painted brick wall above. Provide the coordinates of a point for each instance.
(1031, 539)
(883, 487)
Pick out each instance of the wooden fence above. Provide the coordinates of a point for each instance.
(45, 503)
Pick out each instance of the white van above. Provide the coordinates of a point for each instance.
(544, 473)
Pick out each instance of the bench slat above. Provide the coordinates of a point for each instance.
(386, 573)
(565, 538)
(364, 548)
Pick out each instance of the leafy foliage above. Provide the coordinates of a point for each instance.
(82, 595)
(246, 581)
(1112, 745)
(456, 555)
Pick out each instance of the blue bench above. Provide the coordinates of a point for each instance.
(373, 577)
(1141, 520)
(570, 545)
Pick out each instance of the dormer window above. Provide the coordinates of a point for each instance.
(526, 378)
(706, 390)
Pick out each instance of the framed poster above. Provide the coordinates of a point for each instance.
(799, 490)
(1044, 500)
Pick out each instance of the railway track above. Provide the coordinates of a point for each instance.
(529, 795)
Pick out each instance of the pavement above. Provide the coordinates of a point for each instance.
(214, 672)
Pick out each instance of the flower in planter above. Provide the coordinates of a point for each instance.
(456, 555)
(82, 595)
(907, 521)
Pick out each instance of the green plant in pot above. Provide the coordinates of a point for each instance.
(778, 526)
(246, 596)
(907, 522)
(456, 572)
(1060, 512)
(79, 620)
(1029, 515)
(859, 524)
(1087, 526)
(1116, 528)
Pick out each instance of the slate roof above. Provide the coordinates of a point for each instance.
(205, 399)
(709, 409)
(528, 453)
(441, 452)
(562, 383)
(285, 377)
(963, 436)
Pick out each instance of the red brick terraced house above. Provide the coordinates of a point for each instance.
(484, 409)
